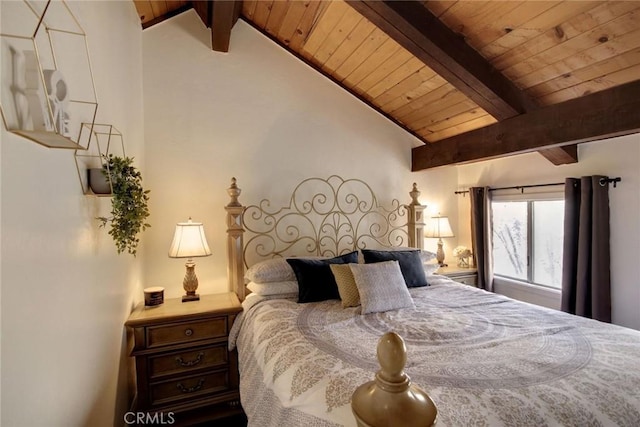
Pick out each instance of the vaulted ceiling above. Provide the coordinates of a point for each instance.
(471, 79)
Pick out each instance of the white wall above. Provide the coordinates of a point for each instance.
(65, 291)
(263, 116)
(612, 157)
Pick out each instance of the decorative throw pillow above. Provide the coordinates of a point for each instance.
(425, 255)
(381, 287)
(271, 270)
(410, 264)
(315, 280)
(274, 288)
(346, 285)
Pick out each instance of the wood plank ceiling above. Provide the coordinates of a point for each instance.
(493, 61)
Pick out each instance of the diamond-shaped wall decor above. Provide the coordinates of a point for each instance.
(101, 140)
(47, 89)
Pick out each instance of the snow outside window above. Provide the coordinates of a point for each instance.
(528, 238)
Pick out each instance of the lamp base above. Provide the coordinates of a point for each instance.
(440, 254)
(190, 283)
(193, 297)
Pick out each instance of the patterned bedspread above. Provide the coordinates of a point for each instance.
(484, 359)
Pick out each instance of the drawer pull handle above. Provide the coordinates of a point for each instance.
(194, 362)
(188, 332)
(191, 389)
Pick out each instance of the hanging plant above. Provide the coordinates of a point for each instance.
(129, 209)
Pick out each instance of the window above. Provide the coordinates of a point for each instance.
(527, 240)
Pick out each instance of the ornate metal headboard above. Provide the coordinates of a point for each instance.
(324, 217)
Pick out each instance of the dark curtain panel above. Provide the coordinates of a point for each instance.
(586, 284)
(481, 235)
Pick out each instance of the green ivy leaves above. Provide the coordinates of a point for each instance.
(129, 208)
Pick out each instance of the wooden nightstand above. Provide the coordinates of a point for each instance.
(467, 276)
(181, 358)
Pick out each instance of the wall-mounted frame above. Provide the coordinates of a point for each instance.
(47, 89)
(101, 141)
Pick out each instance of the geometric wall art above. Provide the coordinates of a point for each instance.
(46, 82)
(101, 141)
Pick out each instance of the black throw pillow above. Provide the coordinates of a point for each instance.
(315, 279)
(410, 264)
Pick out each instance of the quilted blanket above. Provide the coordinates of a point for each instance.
(485, 360)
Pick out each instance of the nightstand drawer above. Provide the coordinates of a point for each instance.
(193, 387)
(178, 333)
(188, 360)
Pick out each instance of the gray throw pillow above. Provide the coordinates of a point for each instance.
(381, 287)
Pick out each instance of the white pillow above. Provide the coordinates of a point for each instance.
(430, 269)
(381, 287)
(425, 255)
(271, 270)
(274, 288)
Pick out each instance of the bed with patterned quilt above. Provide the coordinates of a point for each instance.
(306, 340)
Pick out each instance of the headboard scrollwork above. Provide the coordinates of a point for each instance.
(324, 217)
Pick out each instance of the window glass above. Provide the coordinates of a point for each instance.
(528, 239)
(510, 239)
(548, 218)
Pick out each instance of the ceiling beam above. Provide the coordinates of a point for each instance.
(416, 29)
(420, 32)
(605, 114)
(225, 15)
(220, 16)
(204, 10)
(561, 155)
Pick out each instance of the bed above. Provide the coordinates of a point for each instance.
(484, 359)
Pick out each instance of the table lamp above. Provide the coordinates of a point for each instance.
(189, 242)
(438, 226)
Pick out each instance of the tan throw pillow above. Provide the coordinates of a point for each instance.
(346, 285)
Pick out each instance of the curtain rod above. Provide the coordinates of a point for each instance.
(603, 182)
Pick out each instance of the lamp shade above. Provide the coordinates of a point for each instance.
(438, 226)
(189, 241)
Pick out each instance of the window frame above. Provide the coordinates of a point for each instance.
(529, 197)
